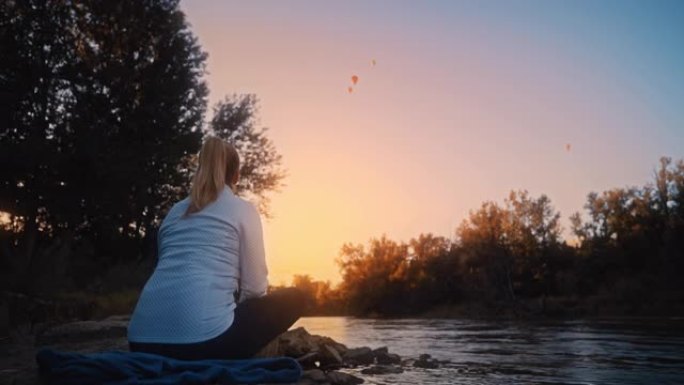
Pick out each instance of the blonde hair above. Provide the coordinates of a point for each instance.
(219, 164)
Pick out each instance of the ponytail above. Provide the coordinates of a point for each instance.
(218, 165)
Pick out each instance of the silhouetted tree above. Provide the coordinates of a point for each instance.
(101, 101)
(235, 119)
(373, 279)
(323, 299)
(101, 111)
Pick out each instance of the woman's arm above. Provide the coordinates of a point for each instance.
(253, 270)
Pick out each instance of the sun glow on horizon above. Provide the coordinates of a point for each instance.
(455, 104)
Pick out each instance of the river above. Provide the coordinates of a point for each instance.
(610, 351)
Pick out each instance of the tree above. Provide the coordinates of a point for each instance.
(373, 279)
(534, 239)
(484, 238)
(511, 246)
(631, 242)
(101, 101)
(322, 299)
(235, 120)
(32, 87)
(102, 109)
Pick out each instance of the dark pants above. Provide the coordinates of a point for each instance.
(257, 322)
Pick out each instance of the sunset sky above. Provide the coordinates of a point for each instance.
(467, 101)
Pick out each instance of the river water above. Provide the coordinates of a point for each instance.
(610, 351)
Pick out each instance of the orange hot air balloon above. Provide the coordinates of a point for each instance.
(354, 79)
(350, 89)
(568, 147)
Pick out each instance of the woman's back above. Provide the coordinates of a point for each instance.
(190, 295)
(210, 247)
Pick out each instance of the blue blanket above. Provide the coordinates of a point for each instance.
(122, 367)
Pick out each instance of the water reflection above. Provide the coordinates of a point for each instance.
(630, 351)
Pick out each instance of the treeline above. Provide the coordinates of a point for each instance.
(627, 258)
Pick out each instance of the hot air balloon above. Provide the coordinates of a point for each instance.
(373, 62)
(350, 89)
(568, 147)
(354, 79)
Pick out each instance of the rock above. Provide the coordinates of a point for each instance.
(315, 374)
(340, 378)
(408, 362)
(312, 351)
(317, 352)
(426, 364)
(270, 350)
(384, 357)
(425, 361)
(382, 350)
(388, 358)
(333, 355)
(309, 360)
(296, 343)
(359, 356)
(382, 369)
(303, 381)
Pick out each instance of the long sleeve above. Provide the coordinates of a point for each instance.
(253, 270)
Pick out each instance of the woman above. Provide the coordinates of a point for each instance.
(207, 296)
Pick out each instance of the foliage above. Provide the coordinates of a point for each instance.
(104, 99)
(260, 164)
(102, 110)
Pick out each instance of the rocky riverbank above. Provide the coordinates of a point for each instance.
(324, 360)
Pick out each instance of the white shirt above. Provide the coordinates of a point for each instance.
(203, 260)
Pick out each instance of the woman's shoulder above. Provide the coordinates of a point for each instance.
(242, 207)
(180, 206)
(236, 201)
(177, 209)
(245, 209)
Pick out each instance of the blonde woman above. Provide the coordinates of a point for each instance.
(206, 298)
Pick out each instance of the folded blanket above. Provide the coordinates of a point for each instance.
(121, 367)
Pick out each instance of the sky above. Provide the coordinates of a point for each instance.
(467, 100)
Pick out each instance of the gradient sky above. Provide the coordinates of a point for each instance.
(467, 101)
